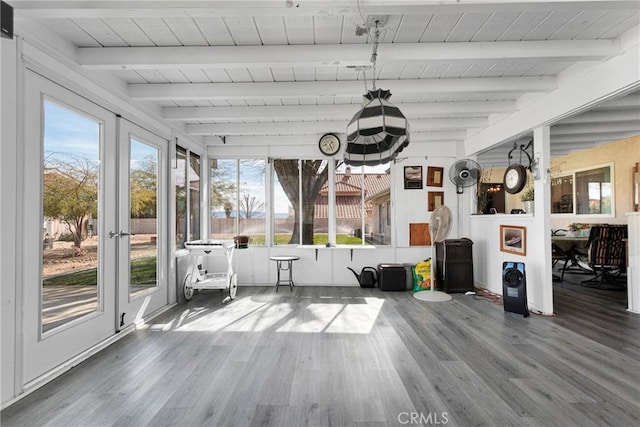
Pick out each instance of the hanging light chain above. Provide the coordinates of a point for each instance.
(364, 75)
(374, 54)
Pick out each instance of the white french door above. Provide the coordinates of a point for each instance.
(142, 223)
(94, 224)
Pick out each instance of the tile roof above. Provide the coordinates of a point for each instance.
(348, 189)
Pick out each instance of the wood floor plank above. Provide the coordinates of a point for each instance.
(322, 356)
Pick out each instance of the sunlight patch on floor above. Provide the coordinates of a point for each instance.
(344, 315)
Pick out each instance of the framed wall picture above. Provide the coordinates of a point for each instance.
(434, 176)
(413, 177)
(435, 199)
(513, 239)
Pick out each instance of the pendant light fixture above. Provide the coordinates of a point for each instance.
(379, 131)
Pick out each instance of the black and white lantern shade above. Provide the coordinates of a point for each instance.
(376, 133)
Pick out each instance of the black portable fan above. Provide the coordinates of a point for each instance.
(464, 173)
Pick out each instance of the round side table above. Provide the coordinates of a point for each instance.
(285, 263)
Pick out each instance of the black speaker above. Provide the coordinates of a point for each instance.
(514, 288)
(6, 20)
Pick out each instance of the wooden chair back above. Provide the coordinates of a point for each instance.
(606, 247)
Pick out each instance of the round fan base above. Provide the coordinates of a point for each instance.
(432, 296)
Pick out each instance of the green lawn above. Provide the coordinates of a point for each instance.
(143, 272)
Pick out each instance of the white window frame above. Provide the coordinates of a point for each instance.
(573, 173)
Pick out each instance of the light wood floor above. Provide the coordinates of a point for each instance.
(351, 356)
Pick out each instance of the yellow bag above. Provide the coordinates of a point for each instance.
(421, 275)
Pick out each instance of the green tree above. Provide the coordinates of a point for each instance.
(70, 192)
(144, 189)
(314, 175)
(222, 184)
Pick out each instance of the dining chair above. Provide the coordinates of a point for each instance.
(607, 254)
(558, 254)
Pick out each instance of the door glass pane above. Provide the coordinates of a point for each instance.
(71, 173)
(194, 196)
(181, 197)
(143, 223)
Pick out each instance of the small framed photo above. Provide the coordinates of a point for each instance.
(412, 177)
(513, 239)
(435, 199)
(434, 176)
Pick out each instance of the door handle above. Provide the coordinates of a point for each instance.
(113, 234)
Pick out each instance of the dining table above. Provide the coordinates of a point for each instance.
(575, 248)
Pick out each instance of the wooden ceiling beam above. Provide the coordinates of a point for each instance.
(203, 91)
(277, 8)
(337, 55)
(306, 128)
(293, 112)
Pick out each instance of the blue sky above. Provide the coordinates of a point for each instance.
(68, 132)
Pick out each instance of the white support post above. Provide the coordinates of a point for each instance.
(543, 286)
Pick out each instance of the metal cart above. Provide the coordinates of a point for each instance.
(197, 278)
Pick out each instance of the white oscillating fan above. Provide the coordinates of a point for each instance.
(439, 228)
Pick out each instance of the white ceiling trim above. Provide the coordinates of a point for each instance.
(198, 91)
(410, 110)
(150, 58)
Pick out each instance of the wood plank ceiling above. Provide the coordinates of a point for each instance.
(252, 68)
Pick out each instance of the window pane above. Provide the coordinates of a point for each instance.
(593, 191)
(348, 192)
(562, 194)
(252, 217)
(223, 195)
(285, 202)
(363, 194)
(71, 173)
(194, 196)
(143, 245)
(315, 174)
(377, 197)
(181, 197)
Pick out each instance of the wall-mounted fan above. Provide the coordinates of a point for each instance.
(464, 173)
(439, 228)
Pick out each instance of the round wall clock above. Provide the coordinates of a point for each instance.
(329, 144)
(515, 177)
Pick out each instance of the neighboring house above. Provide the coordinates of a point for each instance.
(348, 208)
